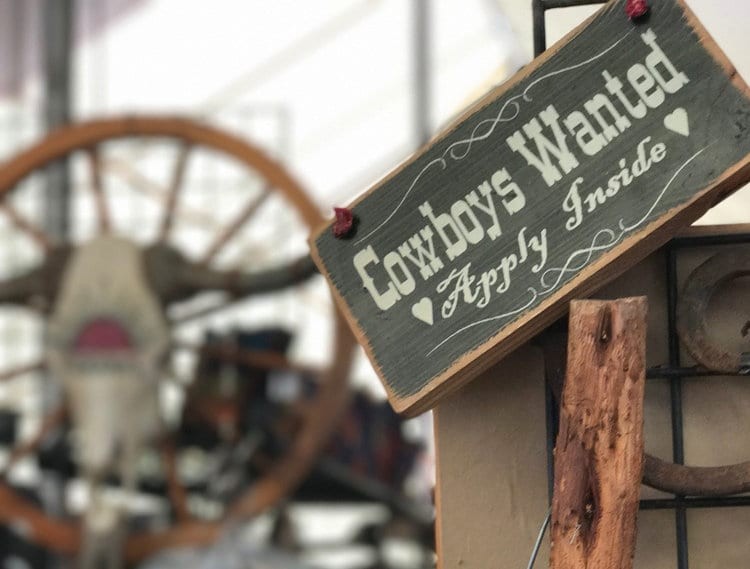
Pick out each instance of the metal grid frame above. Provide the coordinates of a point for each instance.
(673, 372)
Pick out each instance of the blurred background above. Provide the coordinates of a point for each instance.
(338, 92)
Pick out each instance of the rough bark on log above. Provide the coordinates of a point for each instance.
(599, 451)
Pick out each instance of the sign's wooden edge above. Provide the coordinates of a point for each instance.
(633, 249)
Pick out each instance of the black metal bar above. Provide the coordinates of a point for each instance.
(57, 31)
(710, 240)
(669, 372)
(670, 503)
(58, 26)
(550, 407)
(551, 415)
(675, 389)
(540, 27)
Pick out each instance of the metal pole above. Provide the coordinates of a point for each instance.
(57, 18)
(540, 27)
(57, 27)
(421, 101)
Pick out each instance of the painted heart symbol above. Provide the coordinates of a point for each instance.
(422, 310)
(677, 121)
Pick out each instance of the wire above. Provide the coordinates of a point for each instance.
(539, 538)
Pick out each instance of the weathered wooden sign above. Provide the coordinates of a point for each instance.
(556, 182)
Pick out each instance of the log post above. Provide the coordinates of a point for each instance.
(599, 450)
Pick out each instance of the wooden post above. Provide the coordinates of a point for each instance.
(599, 451)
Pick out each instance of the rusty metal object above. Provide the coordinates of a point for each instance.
(711, 481)
(708, 481)
(696, 295)
(174, 278)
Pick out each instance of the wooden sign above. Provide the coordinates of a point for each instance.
(582, 164)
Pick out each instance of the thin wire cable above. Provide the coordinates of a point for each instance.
(539, 539)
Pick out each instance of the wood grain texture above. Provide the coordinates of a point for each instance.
(599, 451)
(456, 318)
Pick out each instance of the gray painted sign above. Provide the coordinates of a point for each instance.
(581, 165)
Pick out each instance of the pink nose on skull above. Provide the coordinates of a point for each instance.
(103, 335)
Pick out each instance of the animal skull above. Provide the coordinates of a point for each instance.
(106, 343)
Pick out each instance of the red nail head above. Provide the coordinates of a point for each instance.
(344, 222)
(636, 8)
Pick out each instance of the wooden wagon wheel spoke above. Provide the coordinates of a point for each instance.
(97, 188)
(42, 239)
(175, 489)
(49, 423)
(147, 187)
(174, 189)
(57, 534)
(189, 534)
(234, 226)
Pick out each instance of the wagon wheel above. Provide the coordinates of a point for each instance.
(170, 278)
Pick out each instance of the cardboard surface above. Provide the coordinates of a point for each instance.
(581, 165)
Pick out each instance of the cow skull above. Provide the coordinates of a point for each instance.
(107, 341)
